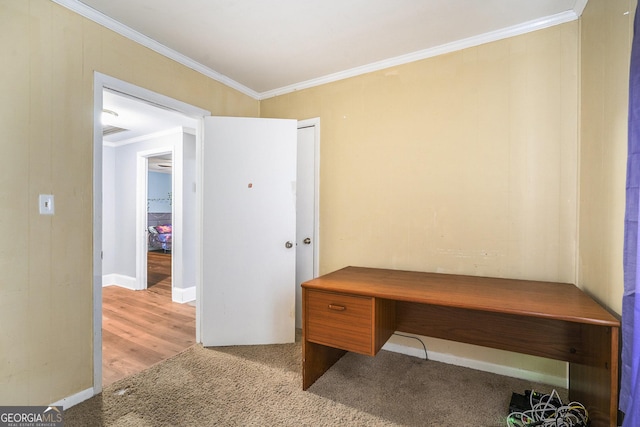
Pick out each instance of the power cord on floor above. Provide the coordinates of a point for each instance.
(426, 357)
(548, 411)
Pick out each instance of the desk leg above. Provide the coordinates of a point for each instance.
(594, 382)
(316, 359)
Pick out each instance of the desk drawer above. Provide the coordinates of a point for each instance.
(339, 320)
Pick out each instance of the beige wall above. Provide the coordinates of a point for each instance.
(489, 161)
(606, 33)
(463, 163)
(507, 159)
(46, 117)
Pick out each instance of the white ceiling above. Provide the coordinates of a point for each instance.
(139, 119)
(268, 47)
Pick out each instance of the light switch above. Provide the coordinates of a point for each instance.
(46, 204)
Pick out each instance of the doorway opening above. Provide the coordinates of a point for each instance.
(189, 159)
(141, 322)
(159, 221)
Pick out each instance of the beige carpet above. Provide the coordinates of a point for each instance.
(261, 386)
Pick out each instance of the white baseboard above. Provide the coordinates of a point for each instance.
(119, 280)
(72, 400)
(183, 295)
(508, 371)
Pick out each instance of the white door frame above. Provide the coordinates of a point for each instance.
(100, 82)
(315, 122)
(142, 191)
(308, 175)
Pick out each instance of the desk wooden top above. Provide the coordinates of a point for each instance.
(559, 301)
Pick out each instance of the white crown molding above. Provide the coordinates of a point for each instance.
(137, 37)
(492, 36)
(578, 8)
(123, 30)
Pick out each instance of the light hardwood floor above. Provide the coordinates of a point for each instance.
(142, 328)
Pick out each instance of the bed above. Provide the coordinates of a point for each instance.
(160, 237)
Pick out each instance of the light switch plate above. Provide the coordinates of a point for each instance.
(45, 202)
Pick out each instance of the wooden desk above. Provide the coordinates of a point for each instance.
(358, 309)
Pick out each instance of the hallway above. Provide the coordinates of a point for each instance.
(142, 328)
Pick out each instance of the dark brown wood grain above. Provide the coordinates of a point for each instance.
(342, 321)
(316, 358)
(553, 320)
(558, 301)
(540, 337)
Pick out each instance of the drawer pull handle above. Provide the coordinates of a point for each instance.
(337, 307)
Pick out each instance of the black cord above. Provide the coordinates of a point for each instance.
(426, 357)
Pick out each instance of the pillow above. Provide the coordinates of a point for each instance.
(162, 229)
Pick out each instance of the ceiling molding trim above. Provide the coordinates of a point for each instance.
(492, 36)
(527, 27)
(579, 7)
(123, 30)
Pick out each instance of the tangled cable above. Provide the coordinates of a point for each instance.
(549, 411)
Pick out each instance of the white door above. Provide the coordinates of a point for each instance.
(305, 212)
(248, 231)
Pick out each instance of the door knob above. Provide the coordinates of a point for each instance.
(288, 245)
(307, 241)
